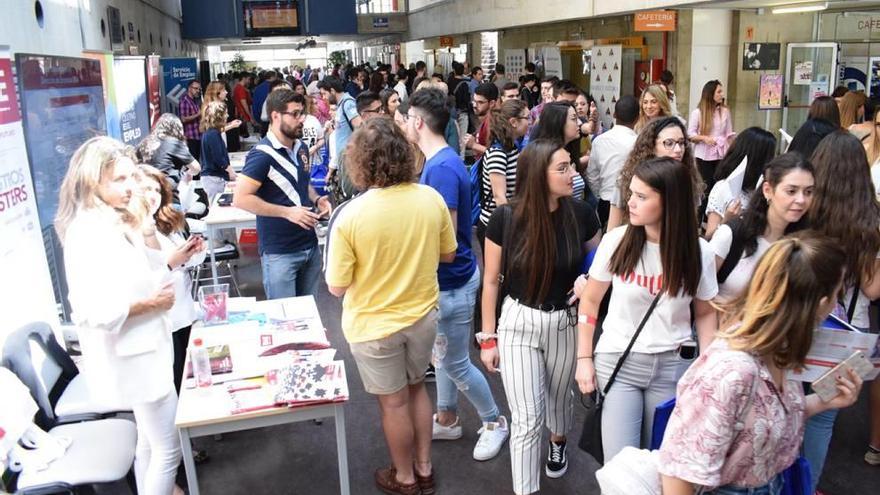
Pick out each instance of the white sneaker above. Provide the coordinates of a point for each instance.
(492, 437)
(440, 432)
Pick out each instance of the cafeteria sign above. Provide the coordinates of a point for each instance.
(655, 20)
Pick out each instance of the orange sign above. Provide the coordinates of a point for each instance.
(446, 41)
(656, 20)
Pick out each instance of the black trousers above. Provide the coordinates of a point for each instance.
(707, 172)
(603, 209)
(180, 340)
(195, 148)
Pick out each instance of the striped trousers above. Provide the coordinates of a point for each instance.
(537, 350)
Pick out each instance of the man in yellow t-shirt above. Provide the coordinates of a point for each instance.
(383, 252)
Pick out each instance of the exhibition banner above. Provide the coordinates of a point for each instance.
(153, 89)
(26, 292)
(108, 86)
(605, 80)
(176, 75)
(129, 77)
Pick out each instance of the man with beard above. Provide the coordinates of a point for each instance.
(275, 186)
(484, 101)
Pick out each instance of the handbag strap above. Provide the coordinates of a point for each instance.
(631, 343)
(851, 311)
(506, 238)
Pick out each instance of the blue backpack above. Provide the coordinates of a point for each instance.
(476, 173)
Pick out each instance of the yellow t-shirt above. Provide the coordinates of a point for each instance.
(385, 246)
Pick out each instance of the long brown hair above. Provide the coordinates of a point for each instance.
(850, 104)
(168, 219)
(644, 149)
(708, 107)
(536, 252)
(500, 129)
(212, 94)
(776, 316)
(844, 205)
(679, 238)
(659, 94)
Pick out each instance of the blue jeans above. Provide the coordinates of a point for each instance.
(291, 274)
(774, 487)
(817, 438)
(454, 369)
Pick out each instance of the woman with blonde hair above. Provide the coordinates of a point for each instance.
(653, 104)
(120, 296)
(852, 109)
(739, 419)
(215, 92)
(216, 169)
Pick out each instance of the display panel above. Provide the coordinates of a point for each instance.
(271, 18)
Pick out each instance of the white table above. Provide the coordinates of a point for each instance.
(205, 411)
(224, 217)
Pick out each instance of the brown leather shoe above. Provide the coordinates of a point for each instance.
(386, 480)
(426, 483)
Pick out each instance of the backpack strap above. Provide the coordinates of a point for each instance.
(275, 176)
(734, 255)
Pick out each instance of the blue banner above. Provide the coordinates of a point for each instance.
(176, 75)
(130, 83)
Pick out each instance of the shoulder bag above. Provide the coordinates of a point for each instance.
(591, 437)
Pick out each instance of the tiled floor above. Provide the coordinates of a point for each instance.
(301, 458)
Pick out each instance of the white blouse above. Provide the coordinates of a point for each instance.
(126, 360)
(183, 313)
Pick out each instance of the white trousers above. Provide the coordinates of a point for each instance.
(538, 351)
(158, 446)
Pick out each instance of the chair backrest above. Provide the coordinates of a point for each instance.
(46, 373)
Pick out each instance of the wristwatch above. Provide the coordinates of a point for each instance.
(485, 337)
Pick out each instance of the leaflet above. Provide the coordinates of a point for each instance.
(831, 347)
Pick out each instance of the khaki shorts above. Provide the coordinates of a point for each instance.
(389, 364)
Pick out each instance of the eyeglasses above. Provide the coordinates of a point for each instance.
(564, 169)
(670, 144)
(372, 110)
(295, 114)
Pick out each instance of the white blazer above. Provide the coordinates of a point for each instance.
(126, 360)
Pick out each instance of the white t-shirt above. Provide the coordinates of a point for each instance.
(875, 177)
(312, 131)
(860, 315)
(720, 198)
(670, 324)
(738, 280)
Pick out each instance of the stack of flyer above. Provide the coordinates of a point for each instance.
(833, 342)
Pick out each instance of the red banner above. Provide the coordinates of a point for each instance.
(8, 100)
(153, 95)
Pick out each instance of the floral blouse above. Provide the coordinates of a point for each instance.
(731, 426)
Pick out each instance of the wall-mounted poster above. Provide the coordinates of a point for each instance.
(26, 293)
(770, 93)
(761, 56)
(176, 75)
(803, 73)
(605, 80)
(515, 63)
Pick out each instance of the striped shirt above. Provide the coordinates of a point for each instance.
(497, 161)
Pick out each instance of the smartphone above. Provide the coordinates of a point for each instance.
(826, 386)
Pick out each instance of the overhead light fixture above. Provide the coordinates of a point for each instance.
(802, 7)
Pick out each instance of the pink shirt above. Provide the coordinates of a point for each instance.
(729, 429)
(722, 131)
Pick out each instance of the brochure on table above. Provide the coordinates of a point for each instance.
(271, 353)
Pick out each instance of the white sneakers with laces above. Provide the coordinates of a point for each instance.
(493, 434)
(451, 432)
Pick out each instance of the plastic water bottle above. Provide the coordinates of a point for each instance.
(201, 364)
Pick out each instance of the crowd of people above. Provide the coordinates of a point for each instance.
(586, 258)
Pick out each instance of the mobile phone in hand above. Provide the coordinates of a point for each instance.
(826, 386)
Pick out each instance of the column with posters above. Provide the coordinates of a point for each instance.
(26, 290)
(605, 80)
(176, 75)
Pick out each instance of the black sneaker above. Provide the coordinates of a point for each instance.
(557, 462)
(430, 374)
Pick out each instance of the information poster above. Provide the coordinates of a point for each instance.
(552, 61)
(26, 290)
(803, 73)
(770, 96)
(154, 99)
(129, 76)
(109, 89)
(176, 75)
(515, 63)
(605, 80)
